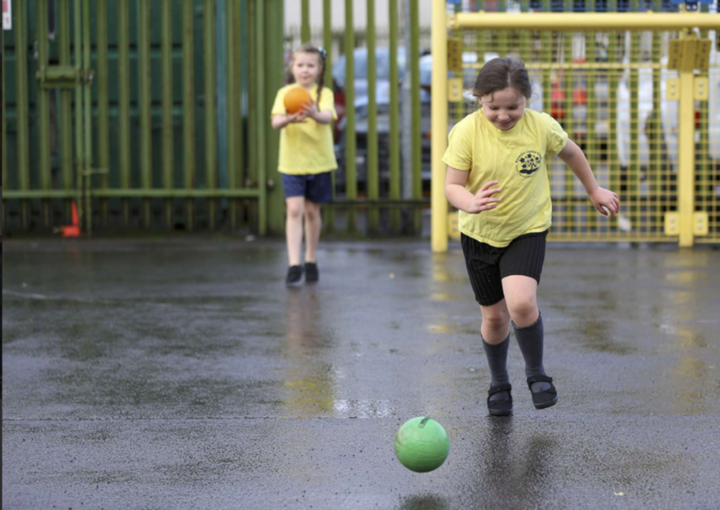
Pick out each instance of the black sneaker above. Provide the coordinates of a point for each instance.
(294, 275)
(311, 272)
(543, 399)
(501, 406)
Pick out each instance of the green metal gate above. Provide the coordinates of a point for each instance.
(148, 114)
(154, 114)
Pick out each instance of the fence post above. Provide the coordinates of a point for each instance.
(350, 141)
(271, 15)
(686, 152)
(21, 95)
(188, 39)
(439, 234)
(167, 108)
(43, 107)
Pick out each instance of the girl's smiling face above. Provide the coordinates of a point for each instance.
(306, 69)
(504, 108)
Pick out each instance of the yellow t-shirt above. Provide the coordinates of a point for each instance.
(518, 160)
(306, 148)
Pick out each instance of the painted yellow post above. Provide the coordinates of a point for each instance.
(686, 156)
(686, 143)
(439, 111)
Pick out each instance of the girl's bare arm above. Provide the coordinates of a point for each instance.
(321, 117)
(605, 201)
(462, 199)
(281, 120)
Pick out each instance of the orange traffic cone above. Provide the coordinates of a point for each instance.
(74, 229)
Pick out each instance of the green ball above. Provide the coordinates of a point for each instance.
(421, 444)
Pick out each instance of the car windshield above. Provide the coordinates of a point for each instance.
(382, 57)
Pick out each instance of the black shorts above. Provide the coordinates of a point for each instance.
(488, 265)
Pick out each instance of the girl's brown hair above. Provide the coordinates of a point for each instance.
(321, 53)
(500, 73)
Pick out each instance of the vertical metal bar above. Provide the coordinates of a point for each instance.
(655, 135)
(79, 120)
(145, 105)
(253, 107)
(124, 103)
(210, 112)
(328, 213)
(686, 154)
(305, 23)
(547, 55)
(591, 145)
(439, 233)
(167, 108)
(704, 175)
(262, 124)
(87, 107)
(21, 92)
(233, 102)
(4, 132)
(220, 95)
(569, 126)
(350, 142)
(632, 173)
(43, 107)
(188, 110)
(394, 117)
(414, 63)
(103, 121)
(373, 179)
(241, 53)
(613, 160)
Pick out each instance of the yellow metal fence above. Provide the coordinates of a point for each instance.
(650, 136)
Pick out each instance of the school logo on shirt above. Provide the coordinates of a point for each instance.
(528, 163)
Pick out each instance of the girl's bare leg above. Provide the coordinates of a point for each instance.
(495, 322)
(294, 228)
(313, 225)
(521, 297)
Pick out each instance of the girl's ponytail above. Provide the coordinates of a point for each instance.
(321, 83)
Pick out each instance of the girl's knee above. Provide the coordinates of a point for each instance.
(496, 319)
(523, 309)
(295, 211)
(312, 212)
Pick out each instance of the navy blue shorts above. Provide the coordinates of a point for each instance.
(487, 265)
(314, 187)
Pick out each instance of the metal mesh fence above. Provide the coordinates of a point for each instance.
(609, 92)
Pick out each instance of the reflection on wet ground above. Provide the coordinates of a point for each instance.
(180, 374)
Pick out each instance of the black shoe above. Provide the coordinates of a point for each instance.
(311, 272)
(543, 399)
(294, 275)
(501, 407)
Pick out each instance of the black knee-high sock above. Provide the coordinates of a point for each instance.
(497, 360)
(530, 341)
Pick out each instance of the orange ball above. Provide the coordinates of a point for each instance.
(295, 99)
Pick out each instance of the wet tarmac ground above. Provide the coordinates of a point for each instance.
(183, 374)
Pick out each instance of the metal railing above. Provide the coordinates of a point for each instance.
(153, 114)
(103, 103)
(627, 87)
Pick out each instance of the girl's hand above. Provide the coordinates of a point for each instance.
(483, 199)
(296, 118)
(606, 202)
(309, 109)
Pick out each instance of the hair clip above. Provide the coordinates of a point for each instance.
(322, 52)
